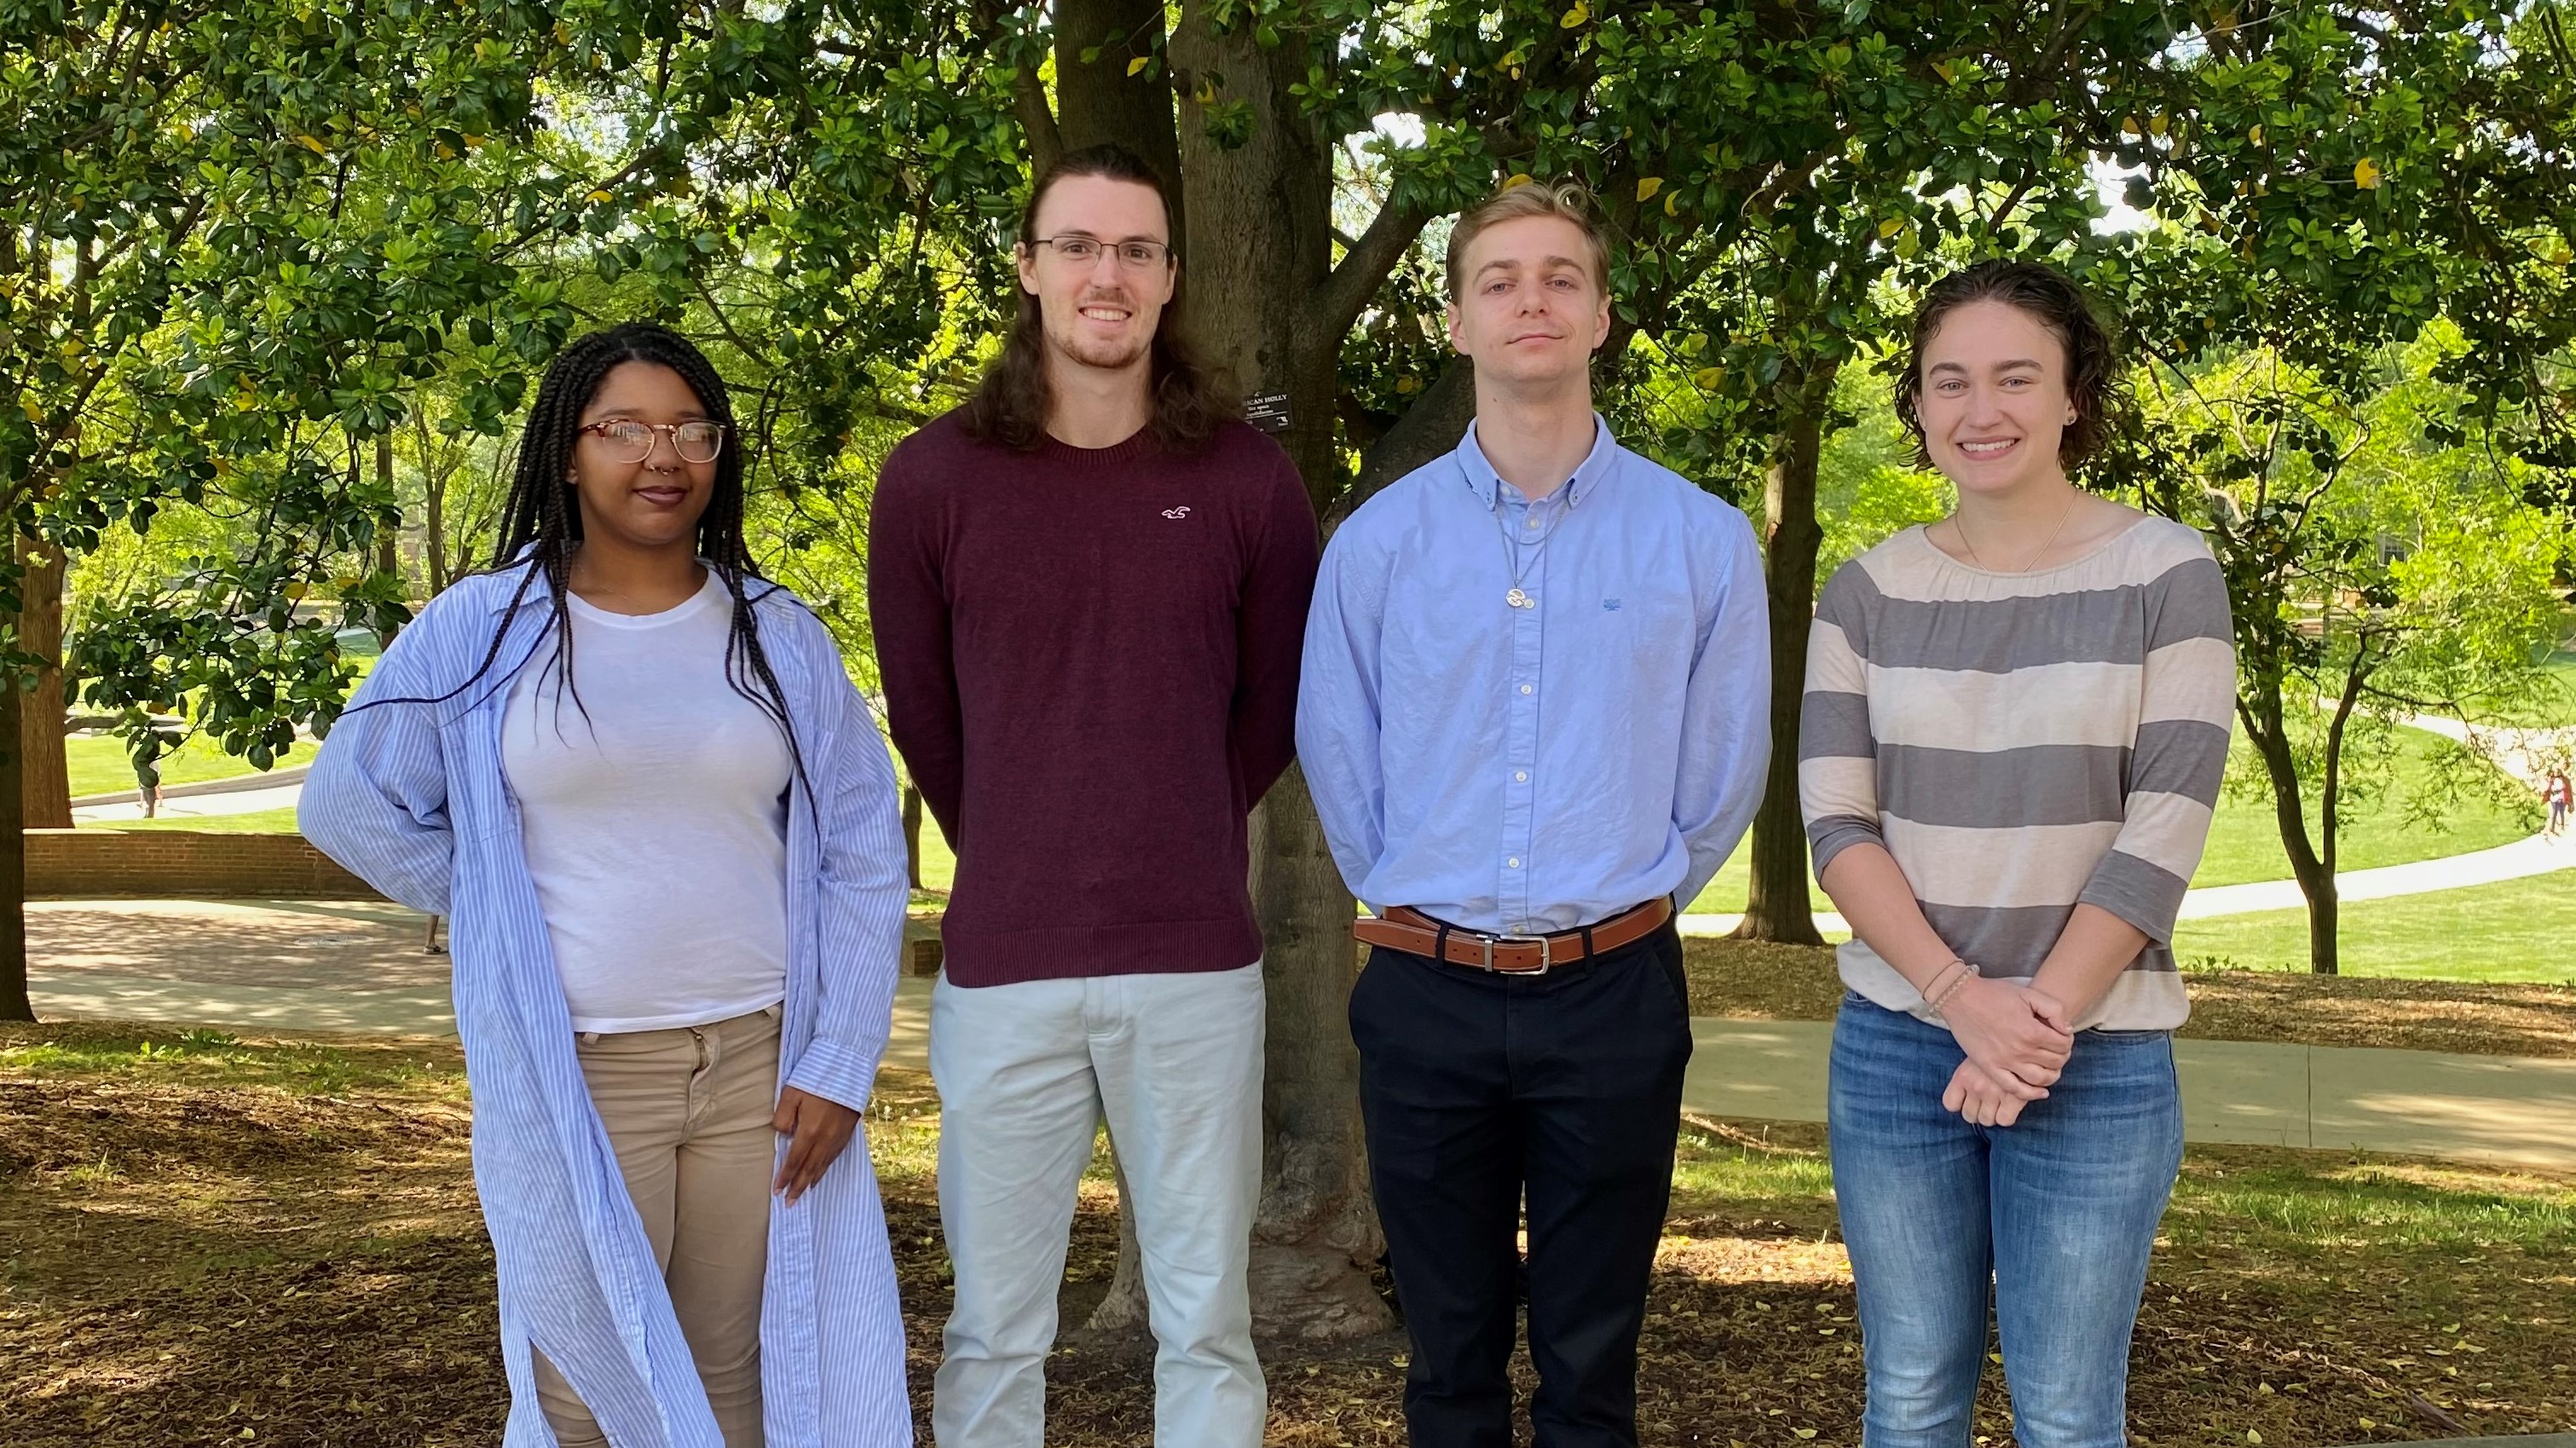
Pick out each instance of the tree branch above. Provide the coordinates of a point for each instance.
(1365, 266)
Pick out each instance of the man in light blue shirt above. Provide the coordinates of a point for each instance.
(1534, 718)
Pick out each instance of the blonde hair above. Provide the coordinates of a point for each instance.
(1565, 200)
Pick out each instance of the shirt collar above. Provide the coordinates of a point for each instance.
(1484, 481)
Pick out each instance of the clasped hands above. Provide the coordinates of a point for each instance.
(2017, 1039)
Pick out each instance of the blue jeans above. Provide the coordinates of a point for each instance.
(2054, 1214)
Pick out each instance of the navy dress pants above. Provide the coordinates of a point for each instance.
(1483, 1094)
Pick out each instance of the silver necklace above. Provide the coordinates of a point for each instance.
(1512, 565)
(1961, 528)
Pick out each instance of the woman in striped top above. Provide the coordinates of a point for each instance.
(637, 778)
(2016, 724)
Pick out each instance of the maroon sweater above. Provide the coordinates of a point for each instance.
(1090, 664)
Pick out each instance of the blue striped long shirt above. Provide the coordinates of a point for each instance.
(1536, 769)
(410, 797)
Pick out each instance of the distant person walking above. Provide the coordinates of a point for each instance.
(637, 778)
(2016, 726)
(2555, 792)
(1088, 586)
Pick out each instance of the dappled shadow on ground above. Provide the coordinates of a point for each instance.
(255, 943)
(187, 1260)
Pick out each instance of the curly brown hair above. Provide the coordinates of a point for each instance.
(2094, 382)
(1010, 405)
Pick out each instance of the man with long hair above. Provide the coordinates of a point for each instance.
(1534, 724)
(1089, 587)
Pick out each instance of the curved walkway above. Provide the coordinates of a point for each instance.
(299, 966)
(2522, 753)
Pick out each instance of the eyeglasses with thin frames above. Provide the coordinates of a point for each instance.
(630, 441)
(1083, 250)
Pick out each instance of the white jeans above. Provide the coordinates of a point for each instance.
(1025, 1072)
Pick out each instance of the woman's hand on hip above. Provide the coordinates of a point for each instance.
(1980, 1098)
(817, 1132)
(2019, 1036)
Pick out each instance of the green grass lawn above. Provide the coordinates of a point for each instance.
(98, 763)
(2245, 840)
(2513, 930)
(258, 822)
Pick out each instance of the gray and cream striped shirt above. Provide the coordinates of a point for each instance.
(2023, 744)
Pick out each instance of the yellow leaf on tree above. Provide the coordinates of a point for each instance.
(2365, 174)
(1710, 378)
(295, 592)
(1647, 188)
(2255, 135)
(311, 144)
(601, 197)
(1945, 70)
(28, 405)
(1890, 227)
(2156, 125)
(1581, 12)
(1139, 63)
(1206, 93)
(1519, 178)
(2129, 127)
(1668, 205)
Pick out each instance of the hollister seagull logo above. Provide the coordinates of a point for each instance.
(1181, 512)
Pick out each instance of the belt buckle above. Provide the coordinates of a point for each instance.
(1546, 952)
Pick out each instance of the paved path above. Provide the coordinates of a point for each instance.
(192, 806)
(351, 966)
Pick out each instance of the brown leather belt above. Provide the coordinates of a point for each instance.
(1404, 928)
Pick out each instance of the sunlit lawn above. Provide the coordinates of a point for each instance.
(2512, 930)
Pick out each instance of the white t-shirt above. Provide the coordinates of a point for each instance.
(656, 827)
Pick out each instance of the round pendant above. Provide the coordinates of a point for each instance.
(1518, 599)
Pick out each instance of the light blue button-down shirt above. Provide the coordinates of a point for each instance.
(1536, 769)
(411, 797)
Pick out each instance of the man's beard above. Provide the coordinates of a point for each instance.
(1111, 356)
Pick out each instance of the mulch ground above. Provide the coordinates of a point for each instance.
(191, 1264)
(1757, 981)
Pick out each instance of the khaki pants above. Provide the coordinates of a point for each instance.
(688, 1112)
(1025, 1073)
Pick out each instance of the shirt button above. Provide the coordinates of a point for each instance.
(1532, 523)
(1514, 862)
(1522, 775)
(1524, 688)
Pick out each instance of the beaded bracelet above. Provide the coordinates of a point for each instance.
(1967, 972)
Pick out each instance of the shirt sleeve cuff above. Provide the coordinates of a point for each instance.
(1832, 834)
(836, 1071)
(2145, 895)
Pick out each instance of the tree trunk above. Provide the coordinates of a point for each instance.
(433, 487)
(45, 781)
(14, 1004)
(912, 834)
(2268, 733)
(388, 534)
(1097, 100)
(1261, 251)
(1429, 430)
(1778, 906)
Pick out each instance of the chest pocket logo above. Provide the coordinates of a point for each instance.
(1180, 512)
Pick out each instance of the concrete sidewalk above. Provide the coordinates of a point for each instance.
(359, 966)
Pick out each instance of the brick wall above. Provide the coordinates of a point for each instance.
(161, 864)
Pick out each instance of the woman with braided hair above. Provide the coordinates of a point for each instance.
(636, 778)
